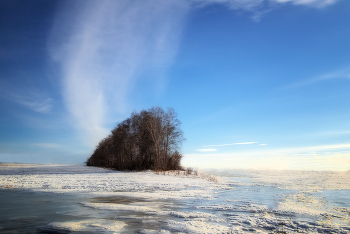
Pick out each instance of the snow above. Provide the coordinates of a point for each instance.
(197, 227)
(248, 201)
(291, 179)
(99, 225)
(83, 179)
(93, 182)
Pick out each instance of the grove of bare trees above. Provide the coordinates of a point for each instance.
(149, 139)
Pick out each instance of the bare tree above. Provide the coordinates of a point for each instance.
(147, 140)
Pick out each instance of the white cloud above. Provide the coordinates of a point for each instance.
(38, 104)
(259, 8)
(103, 46)
(340, 74)
(251, 5)
(314, 3)
(206, 150)
(316, 148)
(30, 98)
(323, 157)
(240, 143)
(246, 143)
(47, 145)
(232, 4)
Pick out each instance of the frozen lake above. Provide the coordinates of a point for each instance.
(80, 199)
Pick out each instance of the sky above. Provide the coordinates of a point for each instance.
(259, 84)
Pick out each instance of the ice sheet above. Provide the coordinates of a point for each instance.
(247, 201)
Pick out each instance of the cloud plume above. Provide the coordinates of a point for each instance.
(103, 46)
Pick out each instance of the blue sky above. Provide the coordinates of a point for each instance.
(256, 84)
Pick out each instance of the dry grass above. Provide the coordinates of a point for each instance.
(188, 172)
(17, 164)
(9, 187)
(9, 164)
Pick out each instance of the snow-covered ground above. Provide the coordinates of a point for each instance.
(246, 201)
(97, 182)
(100, 181)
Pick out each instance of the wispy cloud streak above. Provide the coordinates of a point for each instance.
(255, 4)
(38, 104)
(240, 143)
(103, 46)
(324, 157)
(206, 150)
(47, 145)
(340, 74)
(313, 3)
(30, 98)
(259, 8)
(232, 4)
